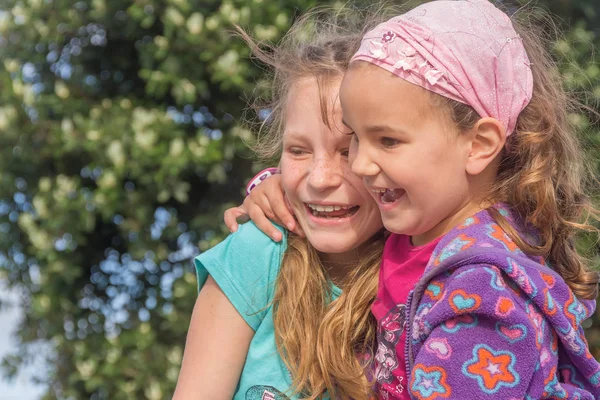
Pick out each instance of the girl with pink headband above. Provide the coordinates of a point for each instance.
(460, 132)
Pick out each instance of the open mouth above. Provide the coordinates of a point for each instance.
(389, 196)
(331, 211)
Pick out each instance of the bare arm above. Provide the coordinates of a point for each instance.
(215, 350)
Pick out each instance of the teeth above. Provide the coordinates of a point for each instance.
(321, 211)
(317, 207)
(378, 190)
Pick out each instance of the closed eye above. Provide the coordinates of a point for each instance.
(389, 142)
(296, 151)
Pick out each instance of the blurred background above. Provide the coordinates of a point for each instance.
(121, 144)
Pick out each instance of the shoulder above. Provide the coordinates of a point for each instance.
(247, 244)
(250, 230)
(476, 296)
(474, 306)
(245, 266)
(475, 288)
(482, 300)
(248, 235)
(478, 232)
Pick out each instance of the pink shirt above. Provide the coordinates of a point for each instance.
(401, 267)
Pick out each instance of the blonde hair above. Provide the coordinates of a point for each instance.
(542, 175)
(320, 340)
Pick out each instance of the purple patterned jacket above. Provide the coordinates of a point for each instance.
(486, 321)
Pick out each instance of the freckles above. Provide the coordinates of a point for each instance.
(293, 167)
(325, 166)
(352, 178)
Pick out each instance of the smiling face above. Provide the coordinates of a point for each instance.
(410, 158)
(333, 207)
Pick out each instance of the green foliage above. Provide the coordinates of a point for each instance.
(120, 149)
(581, 74)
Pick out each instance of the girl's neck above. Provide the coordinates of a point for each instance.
(447, 224)
(339, 266)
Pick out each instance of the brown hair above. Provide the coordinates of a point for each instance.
(542, 174)
(319, 340)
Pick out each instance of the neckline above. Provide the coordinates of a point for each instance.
(412, 248)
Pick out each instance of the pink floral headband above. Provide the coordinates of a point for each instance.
(465, 50)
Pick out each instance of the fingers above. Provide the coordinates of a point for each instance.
(263, 223)
(267, 203)
(264, 201)
(242, 219)
(231, 217)
(238, 215)
(281, 213)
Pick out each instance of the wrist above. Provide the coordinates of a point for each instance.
(260, 177)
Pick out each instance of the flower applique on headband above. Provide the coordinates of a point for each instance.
(465, 50)
(388, 37)
(404, 56)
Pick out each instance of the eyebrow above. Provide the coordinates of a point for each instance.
(379, 128)
(293, 135)
(376, 128)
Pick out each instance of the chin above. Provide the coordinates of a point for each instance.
(325, 244)
(400, 229)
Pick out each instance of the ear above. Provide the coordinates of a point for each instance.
(488, 138)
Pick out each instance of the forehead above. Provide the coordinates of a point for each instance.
(313, 105)
(369, 88)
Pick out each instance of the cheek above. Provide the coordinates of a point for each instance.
(358, 185)
(291, 176)
(373, 216)
(439, 158)
(353, 180)
(289, 183)
(450, 161)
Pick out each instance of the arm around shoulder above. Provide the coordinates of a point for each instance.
(217, 344)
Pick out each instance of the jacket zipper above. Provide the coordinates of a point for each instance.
(408, 331)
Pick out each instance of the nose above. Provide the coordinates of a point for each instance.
(361, 163)
(326, 173)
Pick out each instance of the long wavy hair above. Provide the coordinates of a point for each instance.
(325, 344)
(542, 173)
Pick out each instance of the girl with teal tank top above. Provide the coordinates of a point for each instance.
(246, 266)
(271, 321)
